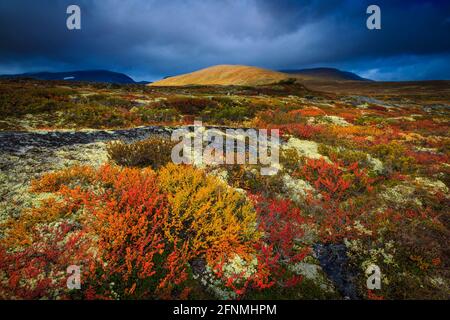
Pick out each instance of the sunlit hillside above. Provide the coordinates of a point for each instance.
(225, 75)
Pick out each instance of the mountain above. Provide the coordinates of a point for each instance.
(225, 75)
(87, 75)
(324, 74)
(215, 75)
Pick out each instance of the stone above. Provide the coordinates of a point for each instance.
(306, 148)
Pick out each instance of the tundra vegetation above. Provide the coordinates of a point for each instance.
(369, 175)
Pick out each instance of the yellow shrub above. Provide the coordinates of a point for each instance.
(213, 217)
(357, 131)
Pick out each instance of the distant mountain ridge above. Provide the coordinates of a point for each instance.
(86, 75)
(324, 74)
(215, 75)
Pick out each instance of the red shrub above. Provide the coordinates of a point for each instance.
(334, 180)
(127, 217)
(304, 131)
(428, 158)
(336, 185)
(39, 271)
(349, 116)
(281, 225)
(378, 108)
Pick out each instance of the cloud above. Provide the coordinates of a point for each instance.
(433, 67)
(152, 39)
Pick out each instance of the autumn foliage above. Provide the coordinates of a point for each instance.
(216, 220)
(336, 185)
(39, 271)
(142, 229)
(121, 214)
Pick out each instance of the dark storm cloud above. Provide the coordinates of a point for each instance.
(150, 39)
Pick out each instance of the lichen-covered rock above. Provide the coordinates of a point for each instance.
(235, 267)
(305, 148)
(220, 174)
(311, 270)
(432, 185)
(377, 164)
(296, 189)
(327, 119)
(338, 121)
(19, 167)
(401, 196)
(214, 285)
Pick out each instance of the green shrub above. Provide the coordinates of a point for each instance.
(278, 117)
(17, 99)
(158, 115)
(154, 151)
(394, 157)
(98, 116)
(109, 101)
(370, 120)
(250, 178)
(190, 106)
(226, 114)
(287, 81)
(290, 159)
(345, 155)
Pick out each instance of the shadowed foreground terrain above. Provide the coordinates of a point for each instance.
(86, 179)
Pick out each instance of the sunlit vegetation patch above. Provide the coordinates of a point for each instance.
(115, 106)
(17, 100)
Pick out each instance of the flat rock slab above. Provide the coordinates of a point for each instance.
(22, 141)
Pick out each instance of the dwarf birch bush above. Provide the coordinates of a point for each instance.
(212, 216)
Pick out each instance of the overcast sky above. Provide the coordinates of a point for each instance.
(151, 39)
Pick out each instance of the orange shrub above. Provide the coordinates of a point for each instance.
(18, 232)
(51, 182)
(310, 112)
(357, 131)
